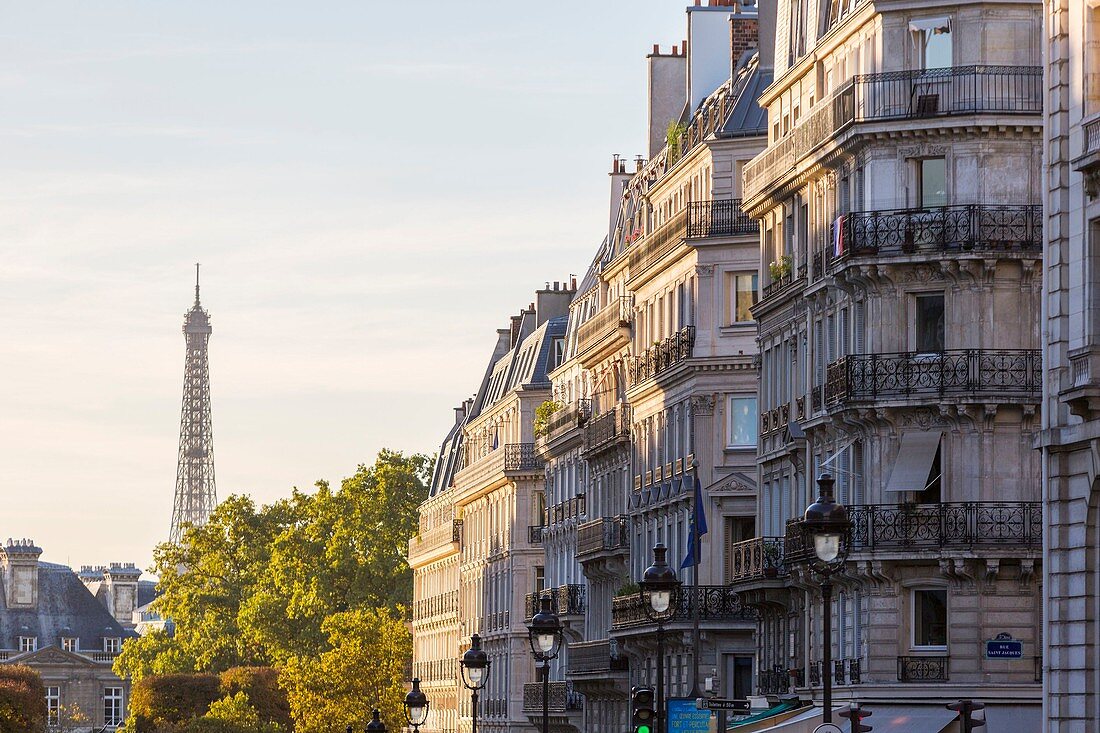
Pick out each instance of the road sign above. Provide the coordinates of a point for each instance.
(1004, 647)
(718, 703)
(828, 728)
(684, 717)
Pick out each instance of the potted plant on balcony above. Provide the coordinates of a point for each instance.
(542, 416)
(780, 268)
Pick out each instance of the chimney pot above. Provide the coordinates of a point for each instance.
(656, 49)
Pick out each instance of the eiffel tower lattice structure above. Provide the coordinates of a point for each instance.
(196, 495)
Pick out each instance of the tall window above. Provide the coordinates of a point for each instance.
(112, 706)
(930, 330)
(930, 619)
(68, 643)
(742, 422)
(53, 706)
(112, 644)
(742, 296)
(932, 183)
(933, 39)
(28, 643)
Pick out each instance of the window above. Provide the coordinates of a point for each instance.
(112, 644)
(932, 183)
(742, 422)
(933, 39)
(68, 643)
(28, 643)
(540, 579)
(112, 706)
(930, 619)
(53, 706)
(742, 296)
(929, 323)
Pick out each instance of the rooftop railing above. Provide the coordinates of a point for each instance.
(957, 372)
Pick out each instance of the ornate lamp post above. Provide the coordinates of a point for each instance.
(376, 725)
(545, 635)
(658, 594)
(475, 665)
(416, 706)
(826, 525)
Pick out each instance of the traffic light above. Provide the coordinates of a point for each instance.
(856, 714)
(971, 714)
(642, 711)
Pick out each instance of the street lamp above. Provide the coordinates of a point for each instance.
(658, 589)
(544, 633)
(376, 725)
(475, 665)
(416, 706)
(826, 525)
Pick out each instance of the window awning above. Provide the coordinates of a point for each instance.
(914, 461)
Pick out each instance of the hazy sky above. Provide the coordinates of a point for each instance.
(372, 188)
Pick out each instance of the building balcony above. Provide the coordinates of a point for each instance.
(663, 355)
(1089, 160)
(845, 672)
(716, 603)
(563, 421)
(562, 698)
(522, 458)
(718, 218)
(899, 96)
(607, 430)
(436, 670)
(444, 537)
(441, 604)
(964, 373)
(980, 229)
(565, 600)
(758, 558)
(572, 508)
(606, 331)
(923, 669)
(603, 535)
(596, 658)
(653, 247)
(956, 525)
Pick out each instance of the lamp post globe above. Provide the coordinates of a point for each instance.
(659, 583)
(475, 663)
(416, 705)
(376, 725)
(545, 632)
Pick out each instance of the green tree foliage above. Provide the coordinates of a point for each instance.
(22, 700)
(232, 714)
(155, 653)
(261, 688)
(362, 669)
(159, 702)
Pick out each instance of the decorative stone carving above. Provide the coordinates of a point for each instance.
(702, 405)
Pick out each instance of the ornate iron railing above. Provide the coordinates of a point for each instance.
(603, 534)
(521, 457)
(964, 228)
(562, 698)
(534, 533)
(436, 537)
(715, 602)
(815, 674)
(568, 417)
(718, 218)
(772, 681)
(922, 669)
(779, 284)
(961, 525)
(565, 600)
(900, 95)
(592, 657)
(663, 355)
(752, 559)
(441, 603)
(607, 428)
(436, 670)
(572, 508)
(1005, 372)
(795, 549)
(608, 321)
(656, 244)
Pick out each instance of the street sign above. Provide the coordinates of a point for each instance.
(684, 717)
(828, 728)
(718, 703)
(1004, 647)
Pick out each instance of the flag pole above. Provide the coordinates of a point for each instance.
(696, 592)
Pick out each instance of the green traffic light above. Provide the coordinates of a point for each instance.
(642, 729)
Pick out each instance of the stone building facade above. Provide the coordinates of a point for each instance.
(899, 335)
(1071, 422)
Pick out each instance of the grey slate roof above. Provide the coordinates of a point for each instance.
(65, 608)
(747, 116)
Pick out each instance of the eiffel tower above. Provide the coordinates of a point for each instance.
(196, 496)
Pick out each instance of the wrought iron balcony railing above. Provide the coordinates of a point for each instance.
(656, 244)
(596, 657)
(953, 229)
(562, 698)
(607, 323)
(522, 457)
(900, 95)
(439, 604)
(755, 559)
(565, 600)
(568, 417)
(572, 508)
(436, 537)
(959, 525)
(607, 429)
(432, 670)
(922, 669)
(959, 372)
(663, 355)
(779, 284)
(773, 681)
(718, 218)
(602, 535)
(716, 603)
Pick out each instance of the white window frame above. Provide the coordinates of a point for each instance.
(112, 644)
(730, 401)
(734, 290)
(28, 644)
(914, 646)
(112, 698)
(69, 643)
(53, 706)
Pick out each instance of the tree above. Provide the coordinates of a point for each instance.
(170, 700)
(232, 714)
(261, 687)
(363, 668)
(157, 652)
(22, 700)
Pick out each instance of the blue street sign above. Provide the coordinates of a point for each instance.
(1004, 647)
(685, 717)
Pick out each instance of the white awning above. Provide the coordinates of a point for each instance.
(914, 461)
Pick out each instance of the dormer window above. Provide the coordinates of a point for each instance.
(28, 643)
(112, 644)
(68, 643)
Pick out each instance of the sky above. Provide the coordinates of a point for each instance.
(372, 189)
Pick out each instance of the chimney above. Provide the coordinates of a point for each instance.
(516, 325)
(667, 91)
(765, 14)
(460, 413)
(19, 562)
(122, 581)
(552, 303)
(619, 180)
(707, 49)
(744, 36)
